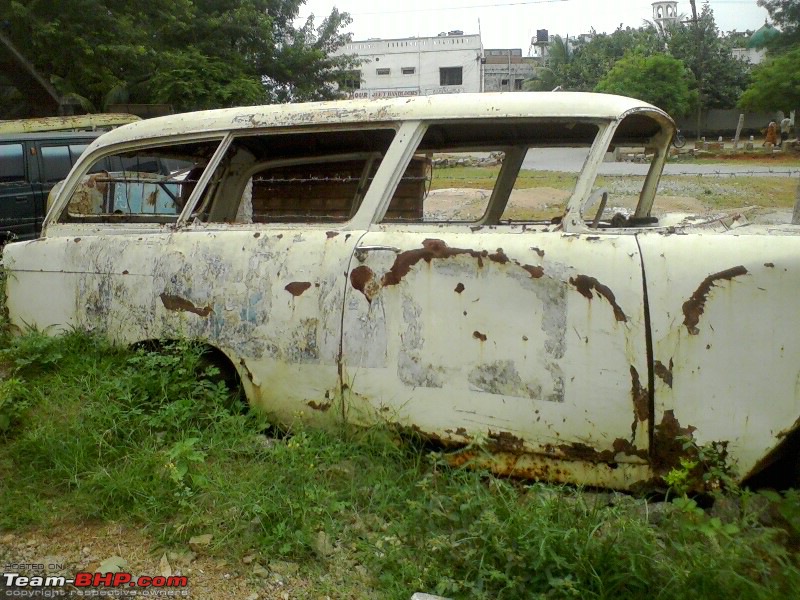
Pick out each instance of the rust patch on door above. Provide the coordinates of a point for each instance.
(585, 284)
(320, 406)
(479, 336)
(178, 304)
(641, 398)
(431, 249)
(535, 272)
(667, 447)
(363, 279)
(296, 288)
(694, 307)
(331, 234)
(499, 257)
(663, 373)
(459, 288)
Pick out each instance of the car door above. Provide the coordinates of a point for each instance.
(520, 336)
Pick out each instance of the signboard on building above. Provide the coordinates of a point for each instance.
(385, 93)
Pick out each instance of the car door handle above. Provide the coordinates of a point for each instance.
(361, 251)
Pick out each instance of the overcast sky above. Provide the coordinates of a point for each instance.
(512, 23)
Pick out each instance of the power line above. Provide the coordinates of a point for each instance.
(444, 8)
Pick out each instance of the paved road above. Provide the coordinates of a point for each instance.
(571, 160)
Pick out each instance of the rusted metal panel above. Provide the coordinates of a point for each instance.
(726, 350)
(503, 334)
(271, 299)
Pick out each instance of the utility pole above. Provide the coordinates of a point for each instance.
(700, 64)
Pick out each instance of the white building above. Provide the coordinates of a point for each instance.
(445, 64)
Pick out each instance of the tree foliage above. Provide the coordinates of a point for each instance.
(786, 15)
(192, 54)
(720, 76)
(776, 84)
(593, 60)
(659, 79)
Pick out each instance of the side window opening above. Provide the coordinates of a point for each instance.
(297, 177)
(457, 172)
(144, 185)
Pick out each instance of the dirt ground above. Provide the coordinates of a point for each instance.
(92, 547)
(546, 202)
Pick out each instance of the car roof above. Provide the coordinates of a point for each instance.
(554, 105)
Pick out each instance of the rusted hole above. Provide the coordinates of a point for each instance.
(770, 265)
(664, 373)
(479, 336)
(694, 307)
(538, 251)
(76, 240)
(296, 288)
(585, 284)
(179, 304)
(257, 234)
(125, 272)
(459, 288)
(331, 234)
(524, 338)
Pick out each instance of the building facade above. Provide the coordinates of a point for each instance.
(505, 69)
(446, 64)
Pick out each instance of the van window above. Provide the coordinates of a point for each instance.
(147, 185)
(12, 165)
(56, 162)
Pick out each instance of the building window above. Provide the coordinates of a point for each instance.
(450, 76)
(504, 83)
(408, 70)
(382, 71)
(518, 84)
(352, 80)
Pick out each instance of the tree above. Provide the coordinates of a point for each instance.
(188, 53)
(786, 15)
(593, 60)
(776, 84)
(659, 79)
(720, 76)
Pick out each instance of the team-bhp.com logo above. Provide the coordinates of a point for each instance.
(23, 586)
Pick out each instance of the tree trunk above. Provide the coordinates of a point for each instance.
(796, 212)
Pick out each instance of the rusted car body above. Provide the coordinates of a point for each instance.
(583, 347)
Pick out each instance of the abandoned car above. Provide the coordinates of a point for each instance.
(405, 261)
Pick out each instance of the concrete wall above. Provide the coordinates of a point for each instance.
(723, 122)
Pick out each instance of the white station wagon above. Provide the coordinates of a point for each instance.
(406, 261)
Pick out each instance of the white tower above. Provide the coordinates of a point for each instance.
(665, 13)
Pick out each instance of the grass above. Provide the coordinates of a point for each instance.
(716, 192)
(97, 432)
